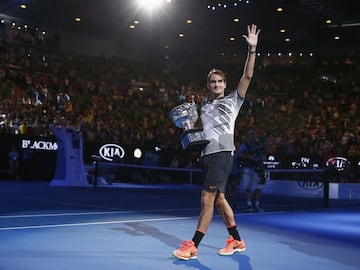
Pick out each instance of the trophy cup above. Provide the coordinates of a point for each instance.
(184, 116)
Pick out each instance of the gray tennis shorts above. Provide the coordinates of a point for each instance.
(216, 170)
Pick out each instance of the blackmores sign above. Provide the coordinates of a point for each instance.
(39, 145)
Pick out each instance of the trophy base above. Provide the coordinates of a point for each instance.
(193, 139)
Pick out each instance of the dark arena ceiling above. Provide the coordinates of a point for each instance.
(215, 26)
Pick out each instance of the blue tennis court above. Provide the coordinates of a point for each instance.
(138, 226)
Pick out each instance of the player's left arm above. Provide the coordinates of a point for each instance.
(252, 40)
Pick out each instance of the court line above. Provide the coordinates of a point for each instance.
(92, 223)
(58, 215)
(118, 222)
(95, 213)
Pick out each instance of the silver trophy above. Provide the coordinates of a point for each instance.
(184, 116)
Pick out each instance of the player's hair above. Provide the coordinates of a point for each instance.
(217, 72)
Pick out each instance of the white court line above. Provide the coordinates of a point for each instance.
(118, 222)
(63, 214)
(91, 223)
(94, 213)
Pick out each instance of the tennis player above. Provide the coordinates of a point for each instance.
(218, 117)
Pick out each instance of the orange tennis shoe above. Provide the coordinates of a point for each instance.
(187, 251)
(232, 246)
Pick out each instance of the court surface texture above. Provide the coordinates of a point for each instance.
(138, 226)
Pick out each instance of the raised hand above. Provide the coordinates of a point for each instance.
(252, 36)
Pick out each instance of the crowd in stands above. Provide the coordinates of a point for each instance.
(27, 35)
(299, 105)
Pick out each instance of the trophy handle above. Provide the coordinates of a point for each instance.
(187, 124)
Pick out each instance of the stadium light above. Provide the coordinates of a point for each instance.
(150, 4)
(137, 153)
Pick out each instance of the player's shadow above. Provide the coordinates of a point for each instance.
(142, 229)
(196, 264)
(243, 261)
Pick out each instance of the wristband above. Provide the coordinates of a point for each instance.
(250, 52)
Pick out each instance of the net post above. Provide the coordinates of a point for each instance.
(96, 174)
(96, 160)
(326, 190)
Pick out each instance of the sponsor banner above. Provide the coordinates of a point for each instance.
(339, 163)
(293, 188)
(304, 162)
(39, 145)
(271, 162)
(345, 191)
(111, 151)
(309, 185)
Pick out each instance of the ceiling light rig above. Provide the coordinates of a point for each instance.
(228, 4)
(134, 24)
(272, 54)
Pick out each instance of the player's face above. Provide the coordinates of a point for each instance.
(217, 86)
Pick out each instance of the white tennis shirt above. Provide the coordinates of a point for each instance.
(218, 118)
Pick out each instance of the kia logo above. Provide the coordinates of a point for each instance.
(111, 150)
(309, 185)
